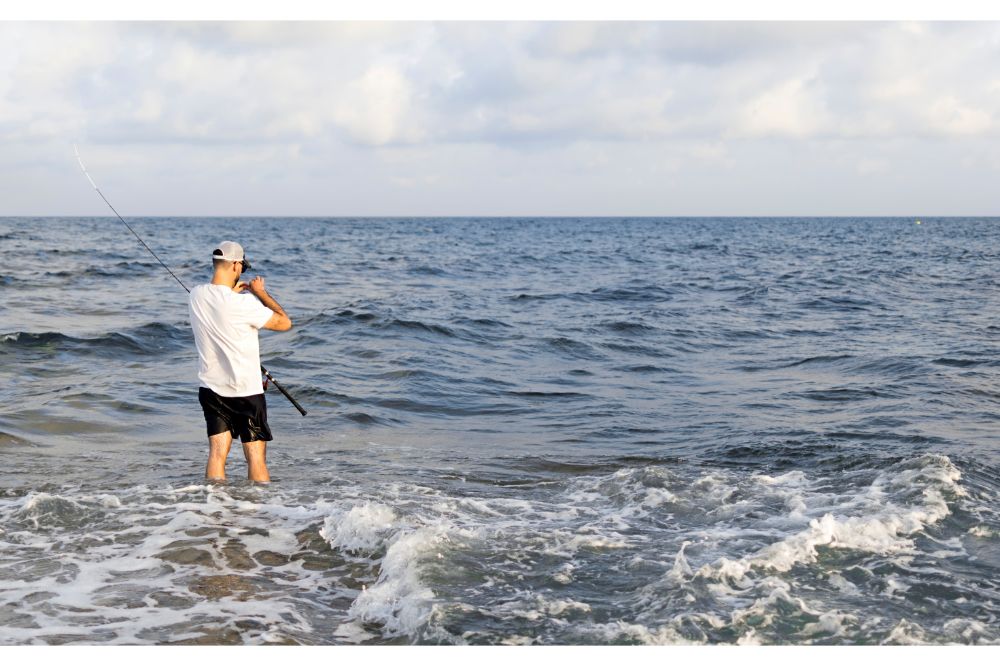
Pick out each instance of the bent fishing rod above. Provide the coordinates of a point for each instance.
(267, 374)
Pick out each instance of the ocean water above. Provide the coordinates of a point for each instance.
(520, 431)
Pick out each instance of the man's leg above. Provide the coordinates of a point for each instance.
(256, 454)
(218, 450)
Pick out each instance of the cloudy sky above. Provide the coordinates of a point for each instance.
(513, 118)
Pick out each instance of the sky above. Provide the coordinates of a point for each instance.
(513, 118)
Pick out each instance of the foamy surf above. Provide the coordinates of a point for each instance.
(887, 513)
(650, 554)
(397, 600)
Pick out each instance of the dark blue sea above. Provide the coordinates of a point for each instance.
(520, 431)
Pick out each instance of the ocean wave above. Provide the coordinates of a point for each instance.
(398, 601)
(538, 297)
(11, 281)
(433, 271)
(548, 395)
(639, 350)
(927, 483)
(628, 327)
(648, 293)
(361, 529)
(484, 322)
(365, 419)
(147, 340)
(823, 359)
(42, 510)
(839, 304)
(646, 369)
(417, 326)
(964, 362)
(386, 323)
(11, 440)
(845, 394)
(448, 408)
(121, 269)
(571, 348)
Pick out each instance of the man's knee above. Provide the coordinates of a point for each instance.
(255, 449)
(218, 445)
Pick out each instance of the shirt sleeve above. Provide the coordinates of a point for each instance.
(255, 313)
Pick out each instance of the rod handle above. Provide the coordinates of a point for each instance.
(283, 391)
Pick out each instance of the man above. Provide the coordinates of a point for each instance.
(225, 321)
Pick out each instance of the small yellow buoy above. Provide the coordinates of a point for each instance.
(918, 221)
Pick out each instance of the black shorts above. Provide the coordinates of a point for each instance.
(244, 417)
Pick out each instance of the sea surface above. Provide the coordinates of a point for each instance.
(520, 431)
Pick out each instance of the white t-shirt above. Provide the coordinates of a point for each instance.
(225, 328)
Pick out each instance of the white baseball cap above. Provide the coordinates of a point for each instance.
(231, 251)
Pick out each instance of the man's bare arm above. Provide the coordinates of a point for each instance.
(279, 321)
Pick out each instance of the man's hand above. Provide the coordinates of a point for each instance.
(279, 321)
(256, 286)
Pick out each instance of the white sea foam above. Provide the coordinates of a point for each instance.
(399, 600)
(562, 606)
(362, 529)
(539, 607)
(415, 548)
(882, 531)
(46, 502)
(615, 631)
(906, 632)
(790, 488)
(843, 585)
(565, 574)
(110, 502)
(681, 569)
(773, 594)
(277, 540)
(563, 543)
(830, 624)
(894, 586)
(517, 640)
(353, 632)
(749, 638)
(970, 632)
(794, 478)
(125, 566)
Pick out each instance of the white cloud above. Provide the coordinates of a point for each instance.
(379, 108)
(712, 152)
(952, 116)
(793, 108)
(583, 103)
(867, 167)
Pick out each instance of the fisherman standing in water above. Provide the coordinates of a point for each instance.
(225, 321)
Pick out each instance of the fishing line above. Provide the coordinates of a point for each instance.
(98, 190)
(129, 226)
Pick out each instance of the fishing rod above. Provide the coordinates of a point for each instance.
(98, 190)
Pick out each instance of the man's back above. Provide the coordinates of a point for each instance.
(225, 326)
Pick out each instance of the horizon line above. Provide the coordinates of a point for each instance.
(517, 217)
